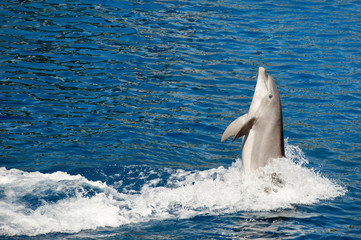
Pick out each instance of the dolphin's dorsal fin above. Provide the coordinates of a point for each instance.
(238, 128)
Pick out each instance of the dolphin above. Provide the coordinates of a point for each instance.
(261, 127)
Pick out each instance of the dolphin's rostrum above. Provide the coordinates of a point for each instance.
(261, 127)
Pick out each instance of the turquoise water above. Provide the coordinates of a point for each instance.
(112, 112)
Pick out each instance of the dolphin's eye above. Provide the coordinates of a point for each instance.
(270, 96)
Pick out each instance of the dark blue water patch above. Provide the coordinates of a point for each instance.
(128, 179)
(33, 201)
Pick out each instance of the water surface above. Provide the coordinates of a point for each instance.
(112, 112)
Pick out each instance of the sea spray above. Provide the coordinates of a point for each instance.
(33, 203)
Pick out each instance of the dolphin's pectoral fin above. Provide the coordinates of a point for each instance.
(244, 130)
(234, 127)
(238, 128)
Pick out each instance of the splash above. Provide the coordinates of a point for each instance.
(33, 203)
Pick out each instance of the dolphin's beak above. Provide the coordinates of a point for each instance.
(262, 74)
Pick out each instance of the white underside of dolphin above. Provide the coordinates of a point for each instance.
(262, 127)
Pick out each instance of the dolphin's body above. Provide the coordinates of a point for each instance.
(261, 127)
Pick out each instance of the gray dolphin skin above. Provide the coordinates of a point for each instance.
(261, 127)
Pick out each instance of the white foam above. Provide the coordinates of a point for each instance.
(67, 203)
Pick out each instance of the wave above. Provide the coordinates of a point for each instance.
(33, 203)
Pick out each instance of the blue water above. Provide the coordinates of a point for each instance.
(112, 112)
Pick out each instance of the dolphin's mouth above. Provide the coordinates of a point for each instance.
(262, 73)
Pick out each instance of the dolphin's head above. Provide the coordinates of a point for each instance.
(266, 99)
